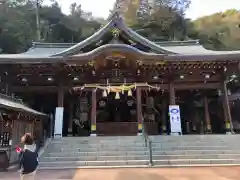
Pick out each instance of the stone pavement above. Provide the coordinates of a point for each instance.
(194, 173)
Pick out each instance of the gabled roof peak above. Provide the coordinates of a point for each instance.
(115, 15)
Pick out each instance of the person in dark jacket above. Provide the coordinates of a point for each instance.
(28, 158)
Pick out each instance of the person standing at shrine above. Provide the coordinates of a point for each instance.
(28, 158)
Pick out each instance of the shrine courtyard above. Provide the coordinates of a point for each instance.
(194, 173)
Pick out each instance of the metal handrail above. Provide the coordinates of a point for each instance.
(148, 143)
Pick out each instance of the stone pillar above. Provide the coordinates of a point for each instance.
(139, 111)
(208, 128)
(226, 110)
(94, 113)
(58, 125)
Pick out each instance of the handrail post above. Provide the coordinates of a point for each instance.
(150, 153)
(148, 144)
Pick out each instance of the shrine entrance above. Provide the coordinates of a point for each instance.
(116, 115)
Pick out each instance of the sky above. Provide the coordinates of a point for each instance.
(198, 8)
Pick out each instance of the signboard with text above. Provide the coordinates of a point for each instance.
(58, 125)
(175, 119)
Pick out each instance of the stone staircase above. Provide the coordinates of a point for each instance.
(196, 150)
(72, 152)
(130, 151)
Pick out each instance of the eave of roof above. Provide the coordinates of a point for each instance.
(26, 59)
(192, 48)
(211, 55)
(13, 104)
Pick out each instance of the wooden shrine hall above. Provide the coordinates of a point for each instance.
(116, 80)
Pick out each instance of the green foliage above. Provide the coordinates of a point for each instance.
(219, 31)
(160, 19)
(18, 24)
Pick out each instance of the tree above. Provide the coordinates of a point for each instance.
(18, 25)
(162, 19)
(219, 31)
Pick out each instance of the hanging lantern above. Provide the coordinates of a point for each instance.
(229, 92)
(129, 92)
(219, 92)
(104, 93)
(117, 95)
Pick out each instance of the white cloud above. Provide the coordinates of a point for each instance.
(99, 8)
(200, 8)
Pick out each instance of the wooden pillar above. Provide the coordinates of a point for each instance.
(226, 110)
(164, 117)
(139, 110)
(206, 115)
(172, 96)
(60, 97)
(70, 120)
(58, 125)
(94, 113)
(51, 125)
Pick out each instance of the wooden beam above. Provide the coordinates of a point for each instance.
(42, 89)
(172, 94)
(197, 86)
(180, 86)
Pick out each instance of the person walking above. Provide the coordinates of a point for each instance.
(28, 158)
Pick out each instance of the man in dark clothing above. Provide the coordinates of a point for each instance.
(28, 158)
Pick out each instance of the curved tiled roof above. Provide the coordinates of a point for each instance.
(116, 47)
(192, 47)
(56, 52)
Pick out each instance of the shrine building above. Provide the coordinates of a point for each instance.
(116, 80)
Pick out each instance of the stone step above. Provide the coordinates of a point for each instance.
(161, 139)
(140, 144)
(99, 145)
(137, 163)
(196, 152)
(138, 153)
(95, 153)
(196, 161)
(101, 139)
(82, 149)
(201, 137)
(166, 148)
(98, 141)
(94, 158)
(144, 157)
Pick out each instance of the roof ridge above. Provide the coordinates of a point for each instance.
(51, 45)
(178, 43)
